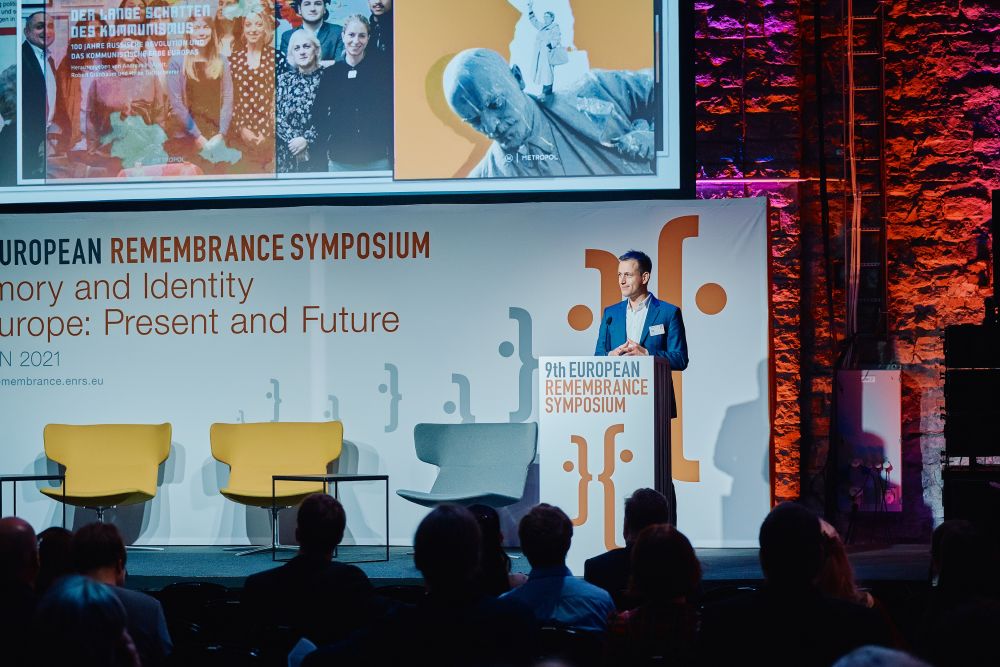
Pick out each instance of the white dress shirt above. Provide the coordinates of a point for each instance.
(635, 319)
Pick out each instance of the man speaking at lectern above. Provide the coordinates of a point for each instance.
(641, 324)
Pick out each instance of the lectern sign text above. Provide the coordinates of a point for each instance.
(595, 443)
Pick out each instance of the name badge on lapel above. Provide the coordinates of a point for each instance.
(656, 330)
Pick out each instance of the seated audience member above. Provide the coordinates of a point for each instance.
(495, 577)
(965, 635)
(666, 576)
(454, 625)
(611, 569)
(879, 656)
(18, 569)
(55, 557)
(963, 602)
(961, 563)
(81, 622)
(836, 579)
(317, 597)
(99, 553)
(814, 629)
(551, 592)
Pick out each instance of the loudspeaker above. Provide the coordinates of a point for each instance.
(972, 390)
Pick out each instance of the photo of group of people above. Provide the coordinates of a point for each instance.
(147, 89)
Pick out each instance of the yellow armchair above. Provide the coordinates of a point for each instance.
(107, 464)
(256, 452)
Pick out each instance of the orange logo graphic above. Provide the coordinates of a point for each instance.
(605, 478)
(710, 299)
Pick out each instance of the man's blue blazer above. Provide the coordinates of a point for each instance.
(671, 344)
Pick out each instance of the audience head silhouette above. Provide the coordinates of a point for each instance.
(546, 533)
(879, 656)
(81, 622)
(644, 507)
(18, 551)
(321, 523)
(791, 546)
(664, 565)
(960, 556)
(446, 549)
(99, 552)
(55, 556)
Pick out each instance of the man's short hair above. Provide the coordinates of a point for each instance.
(791, 546)
(546, 533)
(645, 263)
(446, 547)
(321, 523)
(298, 3)
(97, 545)
(30, 16)
(645, 507)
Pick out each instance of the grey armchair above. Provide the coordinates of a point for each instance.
(479, 463)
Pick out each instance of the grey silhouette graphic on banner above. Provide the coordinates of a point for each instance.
(334, 411)
(242, 418)
(464, 399)
(392, 388)
(275, 394)
(529, 363)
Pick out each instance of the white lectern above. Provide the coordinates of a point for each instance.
(603, 432)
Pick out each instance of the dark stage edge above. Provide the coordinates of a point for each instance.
(152, 570)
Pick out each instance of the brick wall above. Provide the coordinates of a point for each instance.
(755, 118)
(943, 109)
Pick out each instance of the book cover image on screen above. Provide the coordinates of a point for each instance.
(546, 88)
(242, 89)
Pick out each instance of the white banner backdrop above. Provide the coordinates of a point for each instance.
(467, 298)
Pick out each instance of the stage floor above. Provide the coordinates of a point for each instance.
(151, 570)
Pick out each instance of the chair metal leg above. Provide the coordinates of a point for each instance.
(254, 550)
(128, 547)
(274, 546)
